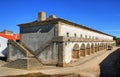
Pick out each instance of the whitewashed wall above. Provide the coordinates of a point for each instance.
(3, 46)
(64, 28)
(69, 48)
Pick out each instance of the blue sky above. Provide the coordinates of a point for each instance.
(102, 15)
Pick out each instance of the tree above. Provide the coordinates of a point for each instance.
(117, 40)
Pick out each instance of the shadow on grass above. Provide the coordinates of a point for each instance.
(108, 65)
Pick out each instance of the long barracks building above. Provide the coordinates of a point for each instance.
(55, 41)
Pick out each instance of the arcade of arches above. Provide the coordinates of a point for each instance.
(88, 49)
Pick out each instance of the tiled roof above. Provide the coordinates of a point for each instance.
(11, 37)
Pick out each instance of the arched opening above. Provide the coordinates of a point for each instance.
(96, 49)
(104, 46)
(82, 50)
(92, 48)
(108, 44)
(100, 46)
(75, 52)
(88, 49)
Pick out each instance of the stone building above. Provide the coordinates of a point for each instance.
(55, 41)
(6, 32)
(6, 35)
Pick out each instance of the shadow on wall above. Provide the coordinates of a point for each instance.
(108, 65)
(4, 52)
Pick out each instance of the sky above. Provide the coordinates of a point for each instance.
(101, 15)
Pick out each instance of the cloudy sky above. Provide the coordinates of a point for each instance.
(102, 15)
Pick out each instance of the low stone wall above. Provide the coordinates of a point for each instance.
(15, 53)
(24, 63)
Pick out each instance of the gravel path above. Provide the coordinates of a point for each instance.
(90, 68)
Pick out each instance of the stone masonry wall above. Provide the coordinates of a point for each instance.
(50, 55)
(35, 40)
(15, 53)
(38, 36)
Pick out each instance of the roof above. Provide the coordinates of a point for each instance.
(11, 37)
(60, 20)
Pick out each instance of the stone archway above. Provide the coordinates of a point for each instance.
(96, 47)
(100, 46)
(75, 51)
(82, 50)
(88, 49)
(104, 46)
(92, 48)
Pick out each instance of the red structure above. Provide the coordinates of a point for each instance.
(11, 37)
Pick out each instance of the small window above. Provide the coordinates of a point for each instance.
(75, 35)
(90, 37)
(81, 35)
(85, 36)
(67, 34)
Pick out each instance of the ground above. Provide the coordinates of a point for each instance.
(90, 66)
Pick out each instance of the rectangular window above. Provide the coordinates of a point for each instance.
(75, 35)
(67, 34)
(90, 37)
(81, 35)
(85, 36)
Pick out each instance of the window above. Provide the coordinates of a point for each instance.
(67, 34)
(90, 37)
(75, 35)
(85, 36)
(81, 35)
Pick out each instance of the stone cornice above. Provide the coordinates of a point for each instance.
(77, 39)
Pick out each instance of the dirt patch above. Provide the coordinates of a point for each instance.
(30, 75)
(43, 75)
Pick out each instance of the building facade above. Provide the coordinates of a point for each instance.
(4, 37)
(3, 46)
(55, 41)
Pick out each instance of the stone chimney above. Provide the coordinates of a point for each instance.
(41, 16)
(51, 17)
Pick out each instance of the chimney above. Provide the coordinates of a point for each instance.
(51, 17)
(41, 16)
